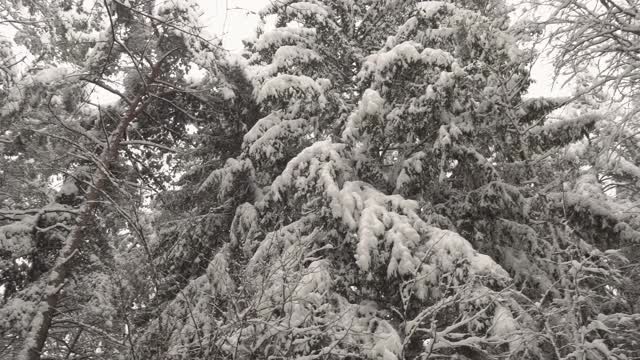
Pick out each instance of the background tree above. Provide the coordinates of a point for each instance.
(593, 44)
(65, 292)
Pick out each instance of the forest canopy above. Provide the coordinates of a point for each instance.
(369, 179)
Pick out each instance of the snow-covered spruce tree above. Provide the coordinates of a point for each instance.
(403, 201)
(188, 241)
(66, 258)
(189, 226)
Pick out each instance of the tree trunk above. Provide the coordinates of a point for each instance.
(41, 322)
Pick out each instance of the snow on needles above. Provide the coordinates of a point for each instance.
(387, 229)
(16, 237)
(309, 9)
(390, 233)
(371, 104)
(288, 55)
(284, 35)
(428, 8)
(283, 83)
(225, 177)
(377, 217)
(401, 55)
(314, 167)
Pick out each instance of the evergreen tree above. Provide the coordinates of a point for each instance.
(406, 202)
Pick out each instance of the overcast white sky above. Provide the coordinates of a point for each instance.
(234, 20)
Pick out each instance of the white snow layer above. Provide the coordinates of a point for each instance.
(401, 55)
(371, 104)
(284, 35)
(308, 9)
(390, 222)
(288, 55)
(16, 237)
(387, 228)
(281, 84)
